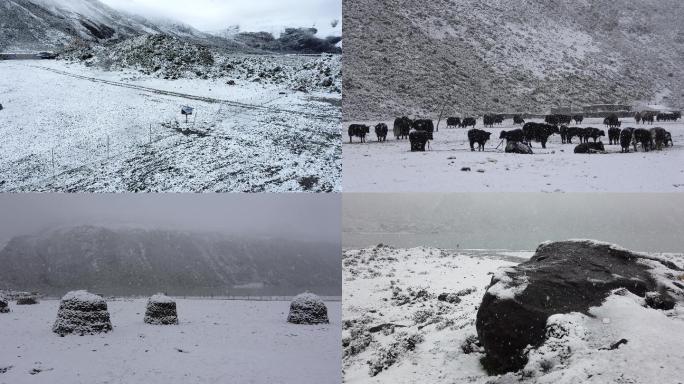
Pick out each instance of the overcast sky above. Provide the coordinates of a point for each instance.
(250, 15)
(313, 217)
(642, 222)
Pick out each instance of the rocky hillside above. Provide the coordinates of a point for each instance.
(127, 261)
(47, 24)
(406, 57)
(169, 57)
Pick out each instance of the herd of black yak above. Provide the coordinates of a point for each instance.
(420, 131)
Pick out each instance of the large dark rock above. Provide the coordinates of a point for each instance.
(561, 277)
(82, 313)
(308, 308)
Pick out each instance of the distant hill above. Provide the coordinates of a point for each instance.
(130, 261)
(406, 57)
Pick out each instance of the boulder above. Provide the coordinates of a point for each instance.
(308, 308)
(82, 313)
(161, 310)
(4, 305)
(518, 147)
(561, 277)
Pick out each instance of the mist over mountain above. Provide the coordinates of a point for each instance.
(125, 261)
(46, 24)
(406, 57)
(27, 25)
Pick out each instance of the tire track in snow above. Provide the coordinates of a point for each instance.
(188, 96)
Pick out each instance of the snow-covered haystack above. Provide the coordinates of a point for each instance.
(82, 313)
(4, 305)
(307, 308)
(517, 312)
(161, 310)
(27, 300)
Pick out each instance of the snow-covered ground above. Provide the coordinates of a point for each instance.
(401, 287)
(67, 127)
(217, 341)
(391, 166)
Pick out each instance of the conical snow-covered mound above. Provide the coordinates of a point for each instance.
(4, 305)
(307, 308)
(81, 312)
(161, 310)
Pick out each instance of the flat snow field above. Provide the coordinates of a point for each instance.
(400, 286)
(68, 127)
(391, 166)
(217, 341)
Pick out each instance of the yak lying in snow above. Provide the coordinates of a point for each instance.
(518, 147)
(517, 119)
(402, 126)
(478, 136)
(590, 147)
(358, 130)
(381, 131)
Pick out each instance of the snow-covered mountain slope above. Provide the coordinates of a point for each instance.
(407, 57)
(133, 261)
(47, 24)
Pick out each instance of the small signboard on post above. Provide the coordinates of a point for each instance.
(185, 110)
